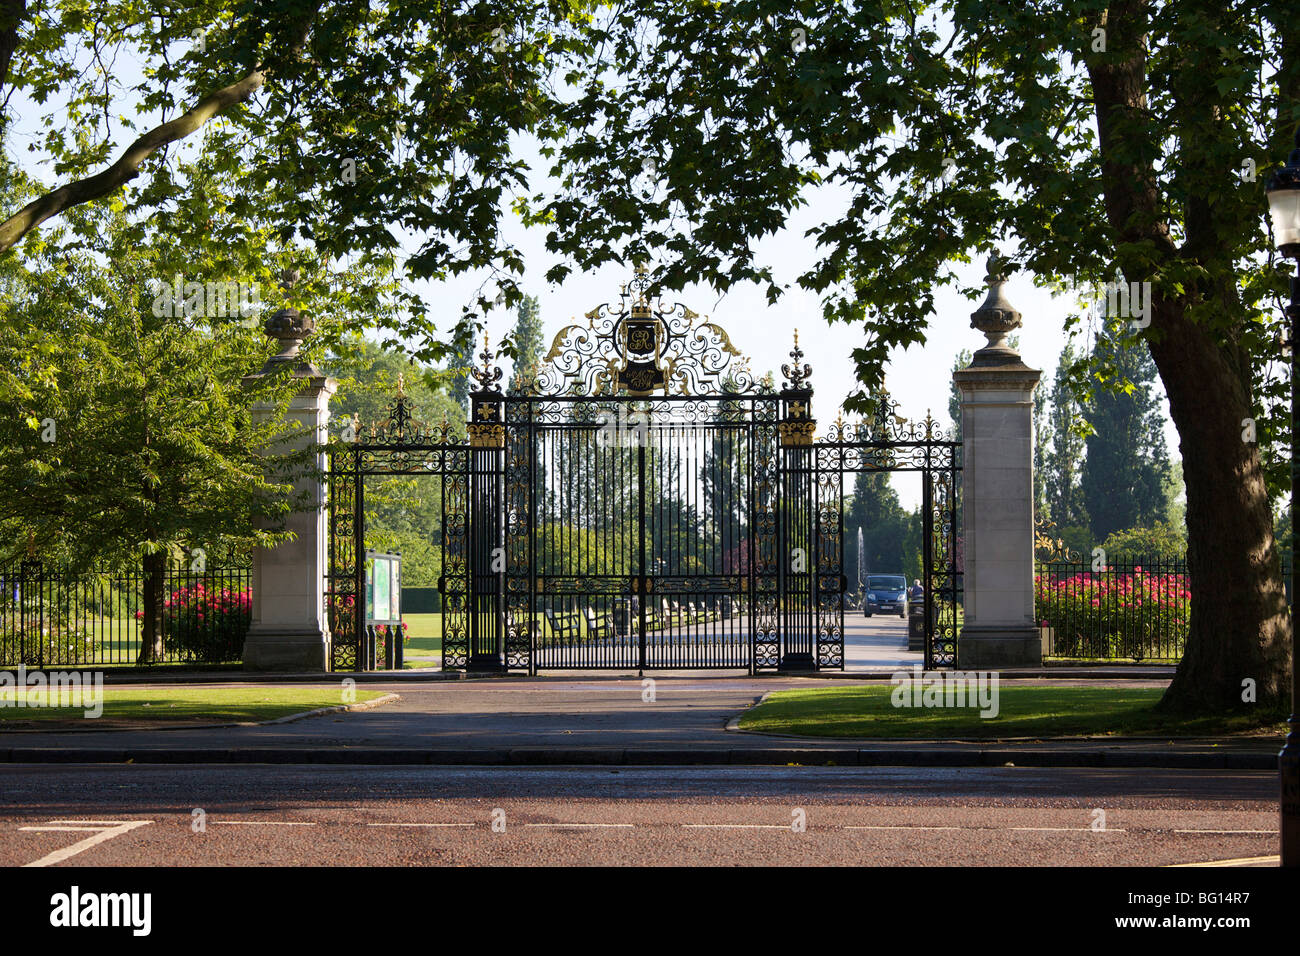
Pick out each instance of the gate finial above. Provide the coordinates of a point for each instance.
(488, 376)
(796, 374)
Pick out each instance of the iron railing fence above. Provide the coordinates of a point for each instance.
(1135, 610)
(53, 617)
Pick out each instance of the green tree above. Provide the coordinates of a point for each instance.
(1042, 451)
(126, 435)
(458, 366)
(526, 343)
(133, 342)
(1126, 470)
(1147, 542)
(875, 508)
(1064, 462)
(1176, 501)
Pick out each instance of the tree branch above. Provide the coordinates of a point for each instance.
(128, 165)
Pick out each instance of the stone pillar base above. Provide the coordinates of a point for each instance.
(281, 649)
(992, 647)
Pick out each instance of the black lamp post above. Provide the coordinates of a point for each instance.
(1283, 191)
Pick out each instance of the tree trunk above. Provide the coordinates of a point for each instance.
(151, 633)
(12, 14)
(1239, 628)
(1238, 631)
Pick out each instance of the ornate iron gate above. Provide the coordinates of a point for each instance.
(889, 442)
(399, 445)
(640, 502)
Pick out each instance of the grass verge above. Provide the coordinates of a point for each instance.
(869, 711)
(184, 704)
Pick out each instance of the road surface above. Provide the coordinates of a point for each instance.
(295, 815)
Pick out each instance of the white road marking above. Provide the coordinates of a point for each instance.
(1269, 832)
(623, 826)
(102, 830)
(421, 824)
(738, 826)
(1239, 861)
(1059, 829)
(855, 827)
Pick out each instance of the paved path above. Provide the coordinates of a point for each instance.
(877, 643)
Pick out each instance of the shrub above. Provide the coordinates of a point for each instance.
(62, 638)
(206, 625)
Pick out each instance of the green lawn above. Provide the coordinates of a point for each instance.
(191, 703)
(423, 637)
(868, 711)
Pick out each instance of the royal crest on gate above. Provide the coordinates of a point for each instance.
(640, 346)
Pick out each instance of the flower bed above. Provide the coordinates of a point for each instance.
(206, 625)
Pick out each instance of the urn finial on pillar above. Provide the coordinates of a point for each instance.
(995, 318)
(290, 328)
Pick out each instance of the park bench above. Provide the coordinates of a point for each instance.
(566, 626)
(671, 614)
(599, 623)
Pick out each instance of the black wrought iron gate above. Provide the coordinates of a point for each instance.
(641, 503)
(398, 445)
(889, 443)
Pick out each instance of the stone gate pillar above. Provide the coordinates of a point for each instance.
(997, 388)
(289, 629)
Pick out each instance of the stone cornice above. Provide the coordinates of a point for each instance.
(1017, 376)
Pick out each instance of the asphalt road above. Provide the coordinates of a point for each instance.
(263, 815)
